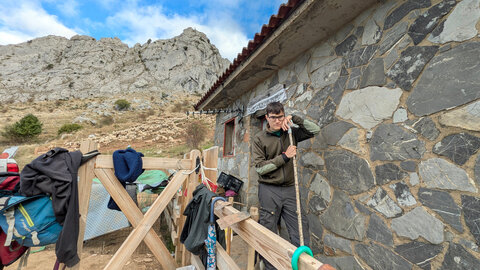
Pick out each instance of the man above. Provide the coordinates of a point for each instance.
(272, 156)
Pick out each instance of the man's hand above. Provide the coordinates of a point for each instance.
(287, 122)
(291, 151)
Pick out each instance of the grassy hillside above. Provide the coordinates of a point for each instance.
(153, 125)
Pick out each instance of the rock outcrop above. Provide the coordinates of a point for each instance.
(52, 68)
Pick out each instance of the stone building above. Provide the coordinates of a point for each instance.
(392, 181)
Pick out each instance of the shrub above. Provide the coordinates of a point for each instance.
(122, 105)
(69, 128)
(105, 121)
(28, 128)
(196, 131)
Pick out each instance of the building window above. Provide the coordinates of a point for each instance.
(228, 139)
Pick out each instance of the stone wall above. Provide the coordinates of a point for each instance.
(392, 180)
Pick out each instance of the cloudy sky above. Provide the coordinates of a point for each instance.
(229, 24)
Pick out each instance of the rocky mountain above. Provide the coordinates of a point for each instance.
(53, 68)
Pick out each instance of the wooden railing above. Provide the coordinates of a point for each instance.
(177, 194)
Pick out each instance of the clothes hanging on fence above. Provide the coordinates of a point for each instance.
(55, 173)
(128, 166)
(195, 229)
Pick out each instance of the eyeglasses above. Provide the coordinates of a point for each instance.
(279, 117)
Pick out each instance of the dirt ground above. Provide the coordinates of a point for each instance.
(97, 253)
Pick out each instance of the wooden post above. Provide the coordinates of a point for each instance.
(210, 160)
(179, 248)
(192, 184)
(86, 175)
(229, 232)
(251, 251)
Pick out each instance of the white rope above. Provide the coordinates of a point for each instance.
(204, 177)
(190, 172)
(210, 169)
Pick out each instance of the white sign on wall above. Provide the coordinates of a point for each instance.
(276, 93)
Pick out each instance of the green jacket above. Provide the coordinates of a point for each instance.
(272, 166)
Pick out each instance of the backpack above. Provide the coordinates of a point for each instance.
(29, 220)
(9, 183)
(12, 252)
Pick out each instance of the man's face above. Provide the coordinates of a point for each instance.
(275, 120)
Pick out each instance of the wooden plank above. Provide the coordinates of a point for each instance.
(192, 184)
(232, 219)
(140, 231)
(275, 249)
(181, 204)
(149, 163)
(134, 215)
(197, 262)
(86, 175)
(210, 160)
(224, 261)
(229, 232)
(251, 251)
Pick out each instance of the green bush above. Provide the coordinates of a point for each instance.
(28, 128)
(122, 105)
(69, 128)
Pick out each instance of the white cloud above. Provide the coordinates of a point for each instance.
(68, 7)
(25, 20)
(143, 23)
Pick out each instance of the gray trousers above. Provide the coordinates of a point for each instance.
(280, 202)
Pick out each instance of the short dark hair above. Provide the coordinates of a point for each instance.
(275, 107)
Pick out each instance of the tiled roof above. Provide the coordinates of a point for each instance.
(267, 29)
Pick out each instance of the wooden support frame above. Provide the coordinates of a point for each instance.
(142, 224)
(271, 246)
(102, 167)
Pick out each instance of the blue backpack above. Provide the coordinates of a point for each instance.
(29, 220)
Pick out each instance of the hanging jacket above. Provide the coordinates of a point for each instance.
(195, 229)
(55, 173)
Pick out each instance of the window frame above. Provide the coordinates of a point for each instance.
(232, 120)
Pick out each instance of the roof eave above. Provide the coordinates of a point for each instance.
(311, 22)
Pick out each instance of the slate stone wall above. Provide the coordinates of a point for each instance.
(392, 181)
